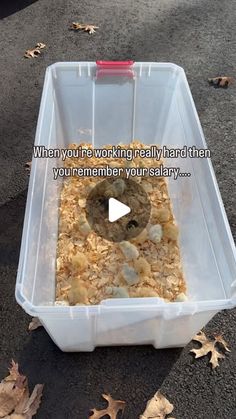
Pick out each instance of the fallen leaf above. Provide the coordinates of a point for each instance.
(34, 402)
(22, 403)
(14, 372)
(15, 402)
(219, 339)
(35, 324)
(40, 45)
(85, 27)
(90, 29)
(221, 81)
(9, 397)
(34, 52)
(209, 346)
(114, 406)
(157, 407)
(12, 389)
(77, 26)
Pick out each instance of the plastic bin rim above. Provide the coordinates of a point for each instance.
(177, 308)
(173, 66)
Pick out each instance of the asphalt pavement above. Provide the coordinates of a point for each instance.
(197, 35)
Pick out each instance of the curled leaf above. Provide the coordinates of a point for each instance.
(114, 406)
(22, 402)
(209, 346)
(9, 397)
(221, 81)
(12, 389)
(13, 372)
(15, 402)
(157, 407)
(34, 401)
(35, 324)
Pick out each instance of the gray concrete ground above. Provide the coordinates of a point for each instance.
(198, 35)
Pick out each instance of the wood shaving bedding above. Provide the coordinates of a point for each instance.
(90, 268)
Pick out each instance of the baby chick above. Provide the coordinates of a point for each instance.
(129, 250)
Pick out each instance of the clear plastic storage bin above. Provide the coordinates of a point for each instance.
(109, 103)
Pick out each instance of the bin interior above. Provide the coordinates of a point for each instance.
(152, 105)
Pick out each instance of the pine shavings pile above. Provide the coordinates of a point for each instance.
(90, 268)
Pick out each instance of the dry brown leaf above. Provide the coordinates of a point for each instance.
(157, 407)
(219, 339)
(90, 29)
(15, 402)
(9, 397)
(209, 346)
(77, 26)
(221, 81)
(114, 406)
(34, 402)
(35, 324)
(22, 403)
(34, 52)
(12, 389)
(40, 45)
(14, 372)
(85, 27)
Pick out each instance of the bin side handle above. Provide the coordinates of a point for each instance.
(114, 68)
(114, 64)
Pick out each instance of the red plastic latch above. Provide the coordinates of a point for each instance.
(114, 68)
(114, 64)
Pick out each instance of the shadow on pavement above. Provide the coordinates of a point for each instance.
(74, 382)
(11, 216)
(9, 7)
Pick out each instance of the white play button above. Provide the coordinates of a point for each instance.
(117, 214)
(116, 210)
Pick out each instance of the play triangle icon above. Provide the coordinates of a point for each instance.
(116, 210)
